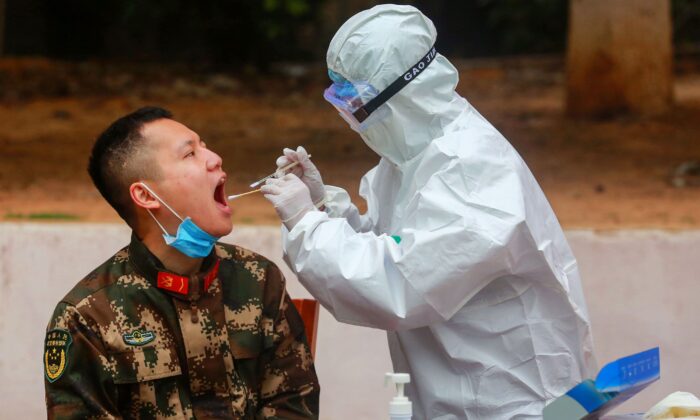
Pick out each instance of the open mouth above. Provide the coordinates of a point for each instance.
(220, 194)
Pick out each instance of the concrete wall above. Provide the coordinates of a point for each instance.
(642, 289)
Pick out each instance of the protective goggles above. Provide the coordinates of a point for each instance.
(356, 101)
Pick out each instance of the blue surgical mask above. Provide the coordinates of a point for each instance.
(190, 239)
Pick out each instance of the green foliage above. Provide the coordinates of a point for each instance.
(535, 26)
(244, 32)
(686, 24)
(504, 27)
(278, 14)
(211, 31)
(296, 8)
(498, 27)
(41, 216)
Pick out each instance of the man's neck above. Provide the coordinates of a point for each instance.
(172, 259)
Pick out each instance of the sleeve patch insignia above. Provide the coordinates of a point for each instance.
(139, 338)
(56, 347)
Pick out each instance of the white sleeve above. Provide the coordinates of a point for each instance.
(339, 205)
(460, 231)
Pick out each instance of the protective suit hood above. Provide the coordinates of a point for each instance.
(377, 46)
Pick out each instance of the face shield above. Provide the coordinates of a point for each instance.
(359, 103)
(348, 97)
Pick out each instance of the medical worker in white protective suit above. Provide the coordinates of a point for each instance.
(459, 256)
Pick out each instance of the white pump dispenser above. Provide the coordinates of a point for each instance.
(400, 407)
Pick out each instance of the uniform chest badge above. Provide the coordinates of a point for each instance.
(139, 337)
(56, 346)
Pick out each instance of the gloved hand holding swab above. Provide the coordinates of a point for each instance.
(275, 174)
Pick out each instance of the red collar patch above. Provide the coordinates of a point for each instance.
(181, 284)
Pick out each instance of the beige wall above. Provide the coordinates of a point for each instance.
(642, 289)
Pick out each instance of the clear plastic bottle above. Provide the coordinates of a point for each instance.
(400, 407)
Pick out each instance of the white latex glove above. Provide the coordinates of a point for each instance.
(291, 198)
(306, 171)
(679, 405)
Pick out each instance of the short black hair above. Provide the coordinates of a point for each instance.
(115, 164)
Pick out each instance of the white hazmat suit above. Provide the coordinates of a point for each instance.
(479, 291)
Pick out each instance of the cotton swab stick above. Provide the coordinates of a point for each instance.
(235, 196)
(283, 169)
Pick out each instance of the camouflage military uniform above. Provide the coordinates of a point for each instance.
(132, 340)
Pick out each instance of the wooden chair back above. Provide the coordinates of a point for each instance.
(308, 309)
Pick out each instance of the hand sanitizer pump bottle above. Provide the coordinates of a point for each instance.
(400, 406)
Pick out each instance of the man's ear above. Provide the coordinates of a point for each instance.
(142, 197)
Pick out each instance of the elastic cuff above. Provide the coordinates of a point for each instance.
(295, 215)
(304, 209)
(321, 202)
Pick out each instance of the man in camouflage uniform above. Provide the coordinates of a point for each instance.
(155, 333)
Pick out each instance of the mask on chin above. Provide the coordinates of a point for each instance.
(190, 239)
